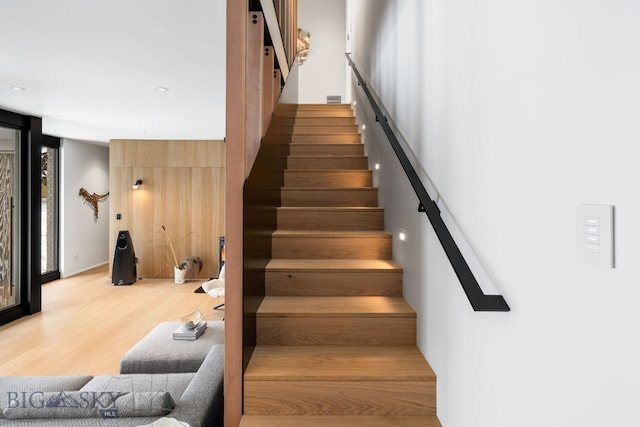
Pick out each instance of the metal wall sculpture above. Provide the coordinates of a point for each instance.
(93, 200)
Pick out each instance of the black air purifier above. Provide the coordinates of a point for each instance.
(124, 260)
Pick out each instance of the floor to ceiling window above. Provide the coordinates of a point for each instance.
(20, 215)
(9, 140)
(49, 178)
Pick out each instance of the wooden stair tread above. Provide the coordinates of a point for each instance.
(328, 135)
(312, 106)
(320, 189)
(330, 233)
(330, 208)
(300, 120)
(297, 148)
(325, 156)
(336, 341)
(333, 265)
(335, 306)
(338, 363)
(314, 113)
(330, 171)
(319, 129)
(338, 420)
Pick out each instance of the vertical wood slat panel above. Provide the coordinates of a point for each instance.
(293, 30)
(171, 196)
(255, 57)
(236, 104)
(169, 189)
(267, 86)
(207, 183)
(294, 38)
(277, 86)
(285, 29)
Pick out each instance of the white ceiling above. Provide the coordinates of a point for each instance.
(91, 68)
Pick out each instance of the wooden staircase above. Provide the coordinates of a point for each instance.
(336, 341)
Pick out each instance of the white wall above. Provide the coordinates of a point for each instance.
(84, 240)
(519, 111)
(322, 73)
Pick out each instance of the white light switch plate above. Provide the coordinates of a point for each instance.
(594, 235)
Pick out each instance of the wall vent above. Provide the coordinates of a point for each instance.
(334, 99)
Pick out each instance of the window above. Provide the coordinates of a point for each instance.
(9, 179)
(21, 142)
(49, 179)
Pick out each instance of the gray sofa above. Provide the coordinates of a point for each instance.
(123, 400)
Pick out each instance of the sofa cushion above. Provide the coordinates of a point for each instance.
(83, 404)
(174, 384)
(158, 352)
(152, 404)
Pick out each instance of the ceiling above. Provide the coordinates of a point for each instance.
(92, 68)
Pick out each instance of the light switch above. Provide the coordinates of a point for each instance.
(592, 221)
(592, 230)
(594, 235)
(590, 247)
(590, 238)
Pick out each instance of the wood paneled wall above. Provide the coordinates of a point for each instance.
(183, 188)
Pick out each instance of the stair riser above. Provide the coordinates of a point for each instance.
(334, 107)
(378, 330)
(326, 198)
(334, 179)
(313, 129)
(325, 121)
(279, 138)
(315, 113)
(339, 420)
(331, 247)
(347, 138)
(327, 163)
(326, 149)
(363, 398)
(322, 283)
(336, 220)
(316, 106)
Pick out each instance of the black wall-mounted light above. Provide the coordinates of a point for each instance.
(137, 184)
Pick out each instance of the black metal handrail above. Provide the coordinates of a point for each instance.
(478, 299)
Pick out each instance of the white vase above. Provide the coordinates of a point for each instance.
(178, 274)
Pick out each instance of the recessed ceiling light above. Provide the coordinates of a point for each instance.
(18, 88)
(162, 89)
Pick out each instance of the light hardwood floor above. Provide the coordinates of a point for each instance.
(86, 324)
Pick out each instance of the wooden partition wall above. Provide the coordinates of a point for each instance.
(183, 188)
(249, 83)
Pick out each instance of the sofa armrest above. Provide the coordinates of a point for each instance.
(202, 403)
